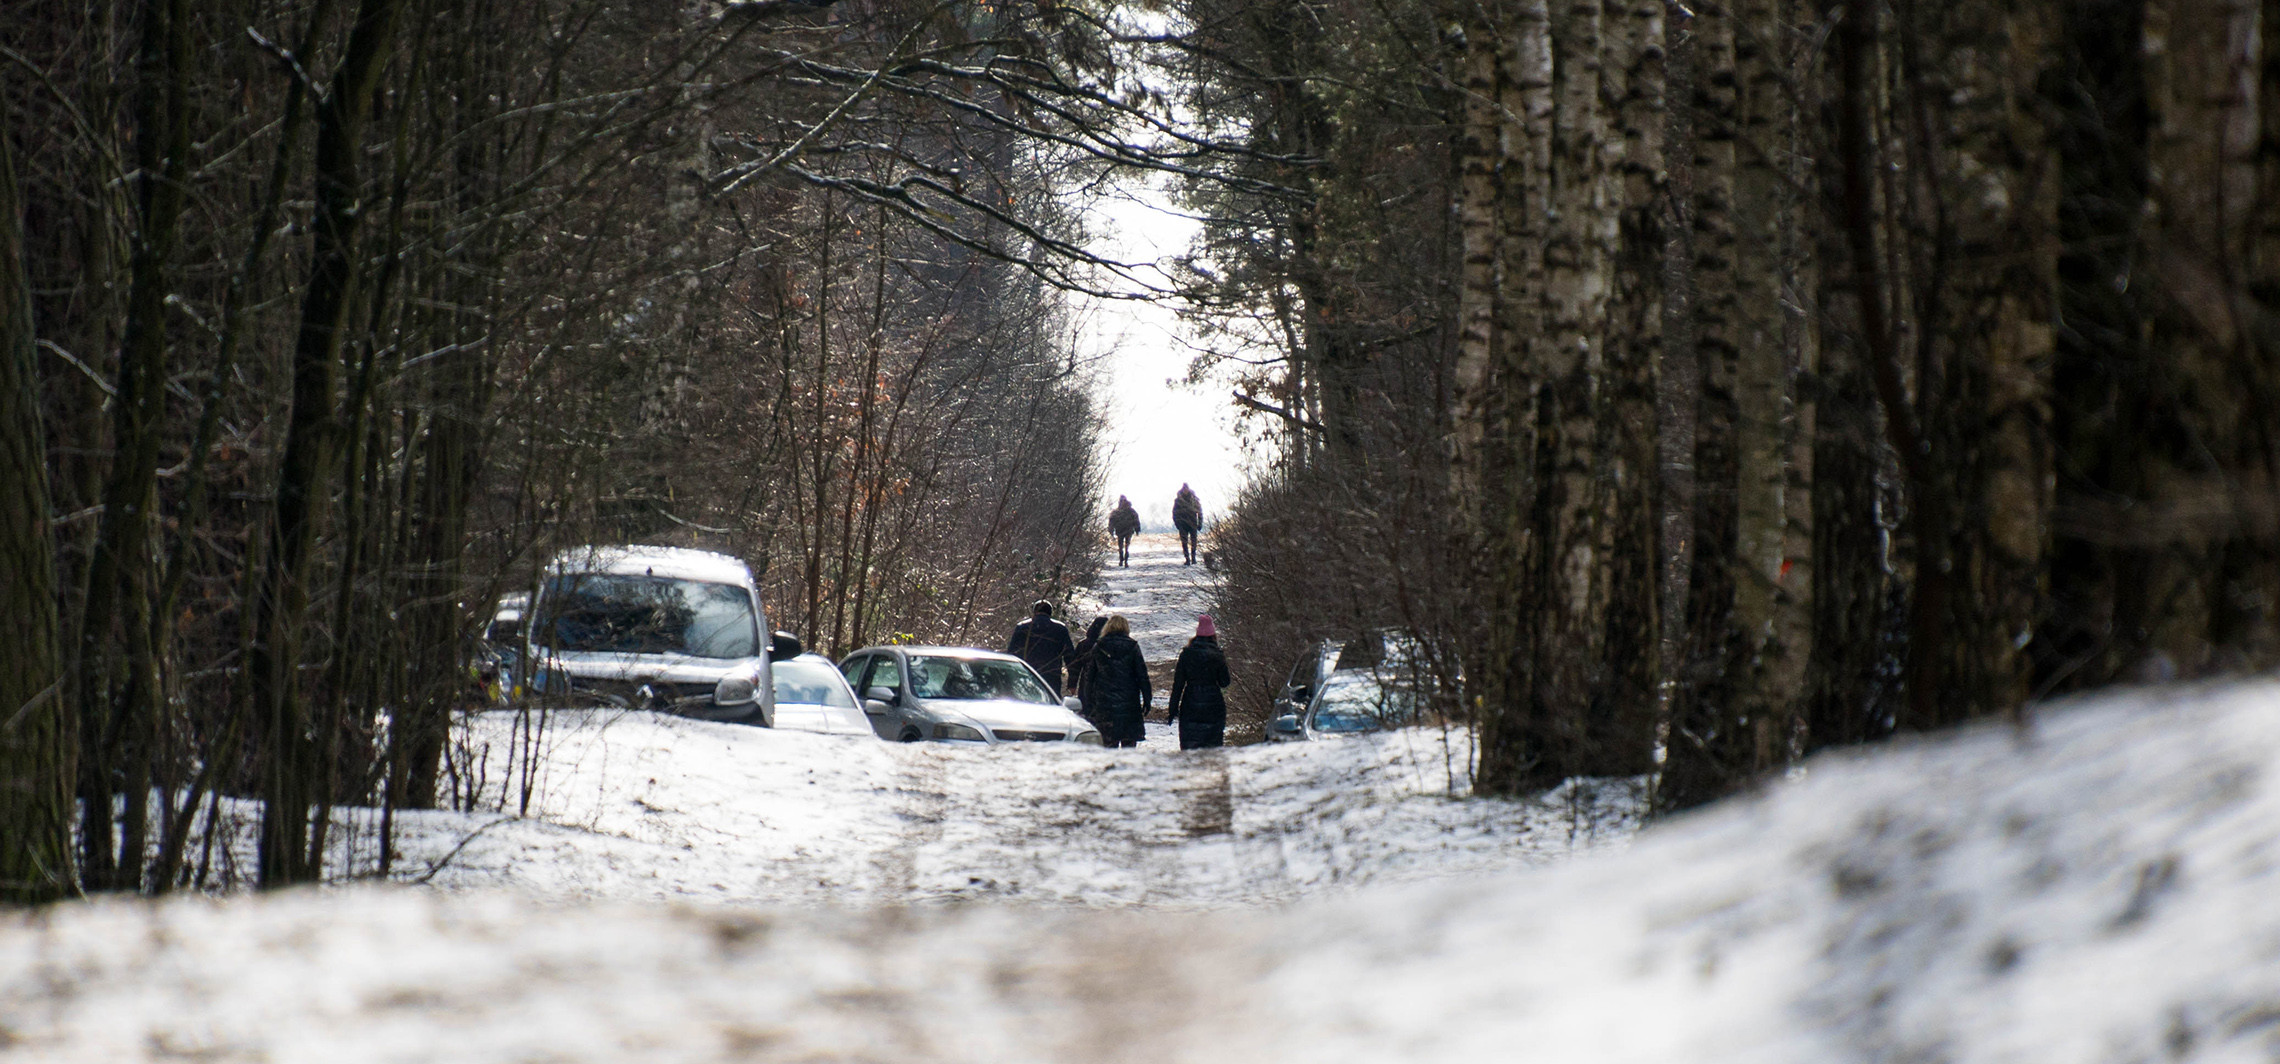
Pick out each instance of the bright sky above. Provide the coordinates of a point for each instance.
(1164, 431)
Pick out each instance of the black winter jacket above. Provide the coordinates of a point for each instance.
(1119, 688)
(1080, 671)
(1044, 643)
(1187, 511)
(1199, 682)
(1123, 521)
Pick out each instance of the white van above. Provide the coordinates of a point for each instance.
(663, 628)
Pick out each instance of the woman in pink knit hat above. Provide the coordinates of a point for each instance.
(1199, 689)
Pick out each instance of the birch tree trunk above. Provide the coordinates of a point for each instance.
(1560, 177)
(1513, 735)
(1562, 369)
(1707, 752)
(1620, 731)
(1770, 576)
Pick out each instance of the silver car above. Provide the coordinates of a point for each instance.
(1393, 655)
(812, 696)
(960, 695)
(1352, 701)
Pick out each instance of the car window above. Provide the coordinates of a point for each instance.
(1307, 670)
(853, 668)
(975, 679)
(810, 684)
(885, 672)
(1362, 652)
(638, 614)
(1358, 704)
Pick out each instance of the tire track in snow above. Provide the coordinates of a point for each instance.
(1208, 791)
(922, 802)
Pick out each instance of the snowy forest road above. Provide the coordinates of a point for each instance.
(1160, 597)
(635, 807)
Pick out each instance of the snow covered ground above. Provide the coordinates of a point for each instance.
(634, 806)
(2100, 886)
(1159, 596)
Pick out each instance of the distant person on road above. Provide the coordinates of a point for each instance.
(1199, 689)
(1187, 516)
(1080, 674)
(1123, 523)
(1042, 642)
(1119, 684)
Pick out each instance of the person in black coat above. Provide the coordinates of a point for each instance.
(1080, 673)
(1118, 682)
(1199, 690)
(1124, 523)
(1187, 516)
(1042, 642)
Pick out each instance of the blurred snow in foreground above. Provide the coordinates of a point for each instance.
(2102, 887)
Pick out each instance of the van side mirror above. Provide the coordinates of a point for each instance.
(784, 646)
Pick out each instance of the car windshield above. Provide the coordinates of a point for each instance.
(628, 614)
(975, 679)
(809, 684)
(1361, 703)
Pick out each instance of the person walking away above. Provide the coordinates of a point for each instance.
(1042, 642)
(1119, 684)
(1124, 523)
(1187, 516)
(1080, 674)
(1199, 689)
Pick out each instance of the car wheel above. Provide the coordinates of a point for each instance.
(910, 735)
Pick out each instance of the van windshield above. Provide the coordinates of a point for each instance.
(627, 614)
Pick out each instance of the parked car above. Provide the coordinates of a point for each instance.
(662, 628)
(1356, 700)
(960, 695)
(811, 695)
(1383, 651)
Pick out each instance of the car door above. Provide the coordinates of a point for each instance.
(886, 671)
(1298, 687)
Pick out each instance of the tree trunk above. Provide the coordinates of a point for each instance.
(36, 755)
(116, 662)
(1770, 578)
(2169, 551)
(1708, 753)
(1620, 730)
(1504, 400)
(293, 770)
(1984, 387)
(1568, 360)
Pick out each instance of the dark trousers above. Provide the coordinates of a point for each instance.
(1124, 727)
(1202, 734)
